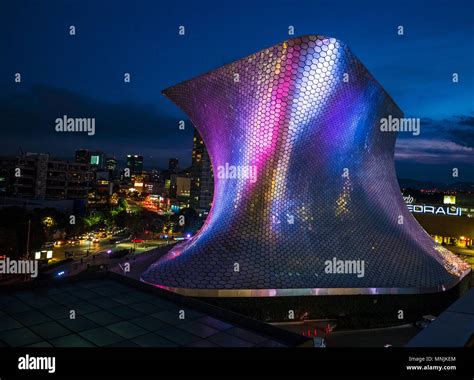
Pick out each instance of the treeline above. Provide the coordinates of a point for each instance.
(47, 224)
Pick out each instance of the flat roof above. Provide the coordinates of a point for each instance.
(109, 313)
(453, 328)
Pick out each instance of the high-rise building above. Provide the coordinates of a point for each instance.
(202, 180)
(111, 163)
(155, 176)
(135, 163)
(183, 187)
(40, 176)
(180, 186)
(173, 164)
(111, 166)
(83, 156)
(306, 199)
(7, 174)
(97, 160)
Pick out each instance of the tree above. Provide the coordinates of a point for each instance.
(14, 223)
(94, 219)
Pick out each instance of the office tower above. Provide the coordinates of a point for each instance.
(43, 177)
(173, 165)
(82, 156)
(97, 160)
(135, 163)
(202, 180)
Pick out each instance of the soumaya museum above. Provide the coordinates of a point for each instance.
(306, 199)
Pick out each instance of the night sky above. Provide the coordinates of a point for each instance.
(82, 75)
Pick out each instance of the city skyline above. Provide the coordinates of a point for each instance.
(86, 78)
(185, 160)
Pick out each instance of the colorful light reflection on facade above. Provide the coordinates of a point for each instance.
(304, 114)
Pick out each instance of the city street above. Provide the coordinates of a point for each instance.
(102, 258)
(81, 249)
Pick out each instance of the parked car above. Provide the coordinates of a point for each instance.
(120, 239)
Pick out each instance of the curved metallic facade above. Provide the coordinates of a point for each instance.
(303, 176)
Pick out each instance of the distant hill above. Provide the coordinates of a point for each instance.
(415, 184)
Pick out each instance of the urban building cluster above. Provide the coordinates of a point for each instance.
(446, 214)
(91, 178)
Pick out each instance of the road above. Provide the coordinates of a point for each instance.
(104, 245)
(139, 263)
(142, 255)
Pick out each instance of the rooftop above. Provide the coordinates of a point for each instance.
(109, 313)
(453, 328)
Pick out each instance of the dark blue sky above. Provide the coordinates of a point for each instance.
(83, 74)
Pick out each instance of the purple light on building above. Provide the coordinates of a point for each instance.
(303, 176)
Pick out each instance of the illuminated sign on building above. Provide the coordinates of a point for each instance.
(436, 210)
(94, 160)
(449, 199)
(43, 255)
